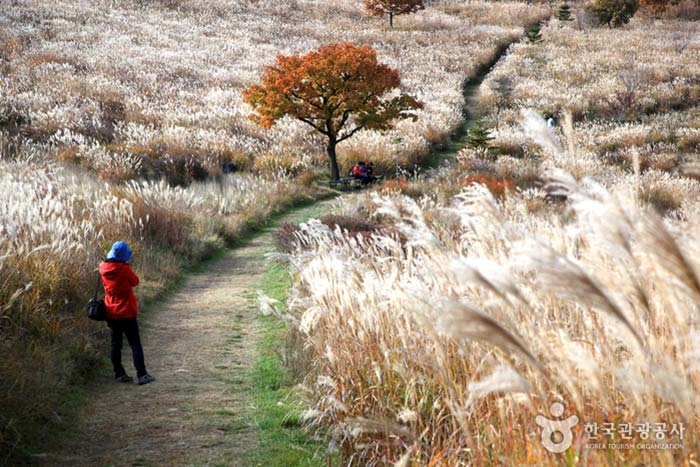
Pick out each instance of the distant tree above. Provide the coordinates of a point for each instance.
(338, 90)
(479, 137)
(564, 13)
(533, 34)
(393, 8)
(614, 13)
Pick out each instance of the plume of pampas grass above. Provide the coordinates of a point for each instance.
(503, 378)
(568, 279)
(460, 321)
(490, 276)
(404, 459)
(668, 254)
(536, 128)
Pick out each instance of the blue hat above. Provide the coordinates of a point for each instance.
(120, 252)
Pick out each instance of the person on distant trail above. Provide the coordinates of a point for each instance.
(122, 307)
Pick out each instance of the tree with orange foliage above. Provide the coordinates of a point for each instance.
(338, 90)
(393, 8)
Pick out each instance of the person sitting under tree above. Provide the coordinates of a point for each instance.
(362, 172)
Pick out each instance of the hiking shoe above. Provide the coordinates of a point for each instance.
(123, 379)
(145, 379)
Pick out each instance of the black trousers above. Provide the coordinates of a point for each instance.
(130, 328)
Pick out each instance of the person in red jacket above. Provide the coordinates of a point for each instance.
(122, 307)
(360, 172)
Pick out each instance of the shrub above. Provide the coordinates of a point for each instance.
(305, 178)
(661, 194)
(511, 149)
(564, 13)
(396, 184)
(286, 237)
(614, 13)
(684, 9)
(351, 224)
(40, 59)
(181, 170)
(10, 48)
(241, 162)
(529, 180)
(689, 143)
(533, 34)
(497, 186)
(656, 7)
(479, 137)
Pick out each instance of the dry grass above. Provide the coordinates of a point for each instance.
(441, 345)
(591, 73)
(175, 75)
(628, 110)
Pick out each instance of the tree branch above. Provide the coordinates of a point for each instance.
(354, 130)
(310, 122)
(311, 103)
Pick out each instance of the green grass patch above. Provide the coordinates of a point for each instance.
(283, 441)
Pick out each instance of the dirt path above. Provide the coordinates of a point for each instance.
(470, 91)
(198, 343)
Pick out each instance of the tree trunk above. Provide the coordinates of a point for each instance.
(335, 172)
(391, 20)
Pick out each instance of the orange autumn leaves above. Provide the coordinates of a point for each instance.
(327, 88)
(338, 90)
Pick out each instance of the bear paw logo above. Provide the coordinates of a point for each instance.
(556, 434)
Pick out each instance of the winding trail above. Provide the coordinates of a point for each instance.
(199, 343)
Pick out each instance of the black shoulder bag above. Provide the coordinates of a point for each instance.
(96, 309)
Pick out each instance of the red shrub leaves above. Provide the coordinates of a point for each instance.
(497, 186)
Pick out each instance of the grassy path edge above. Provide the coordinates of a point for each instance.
(277, 414)
(275, 403)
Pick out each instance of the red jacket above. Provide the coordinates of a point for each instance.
(119, 281)
(360, 170)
